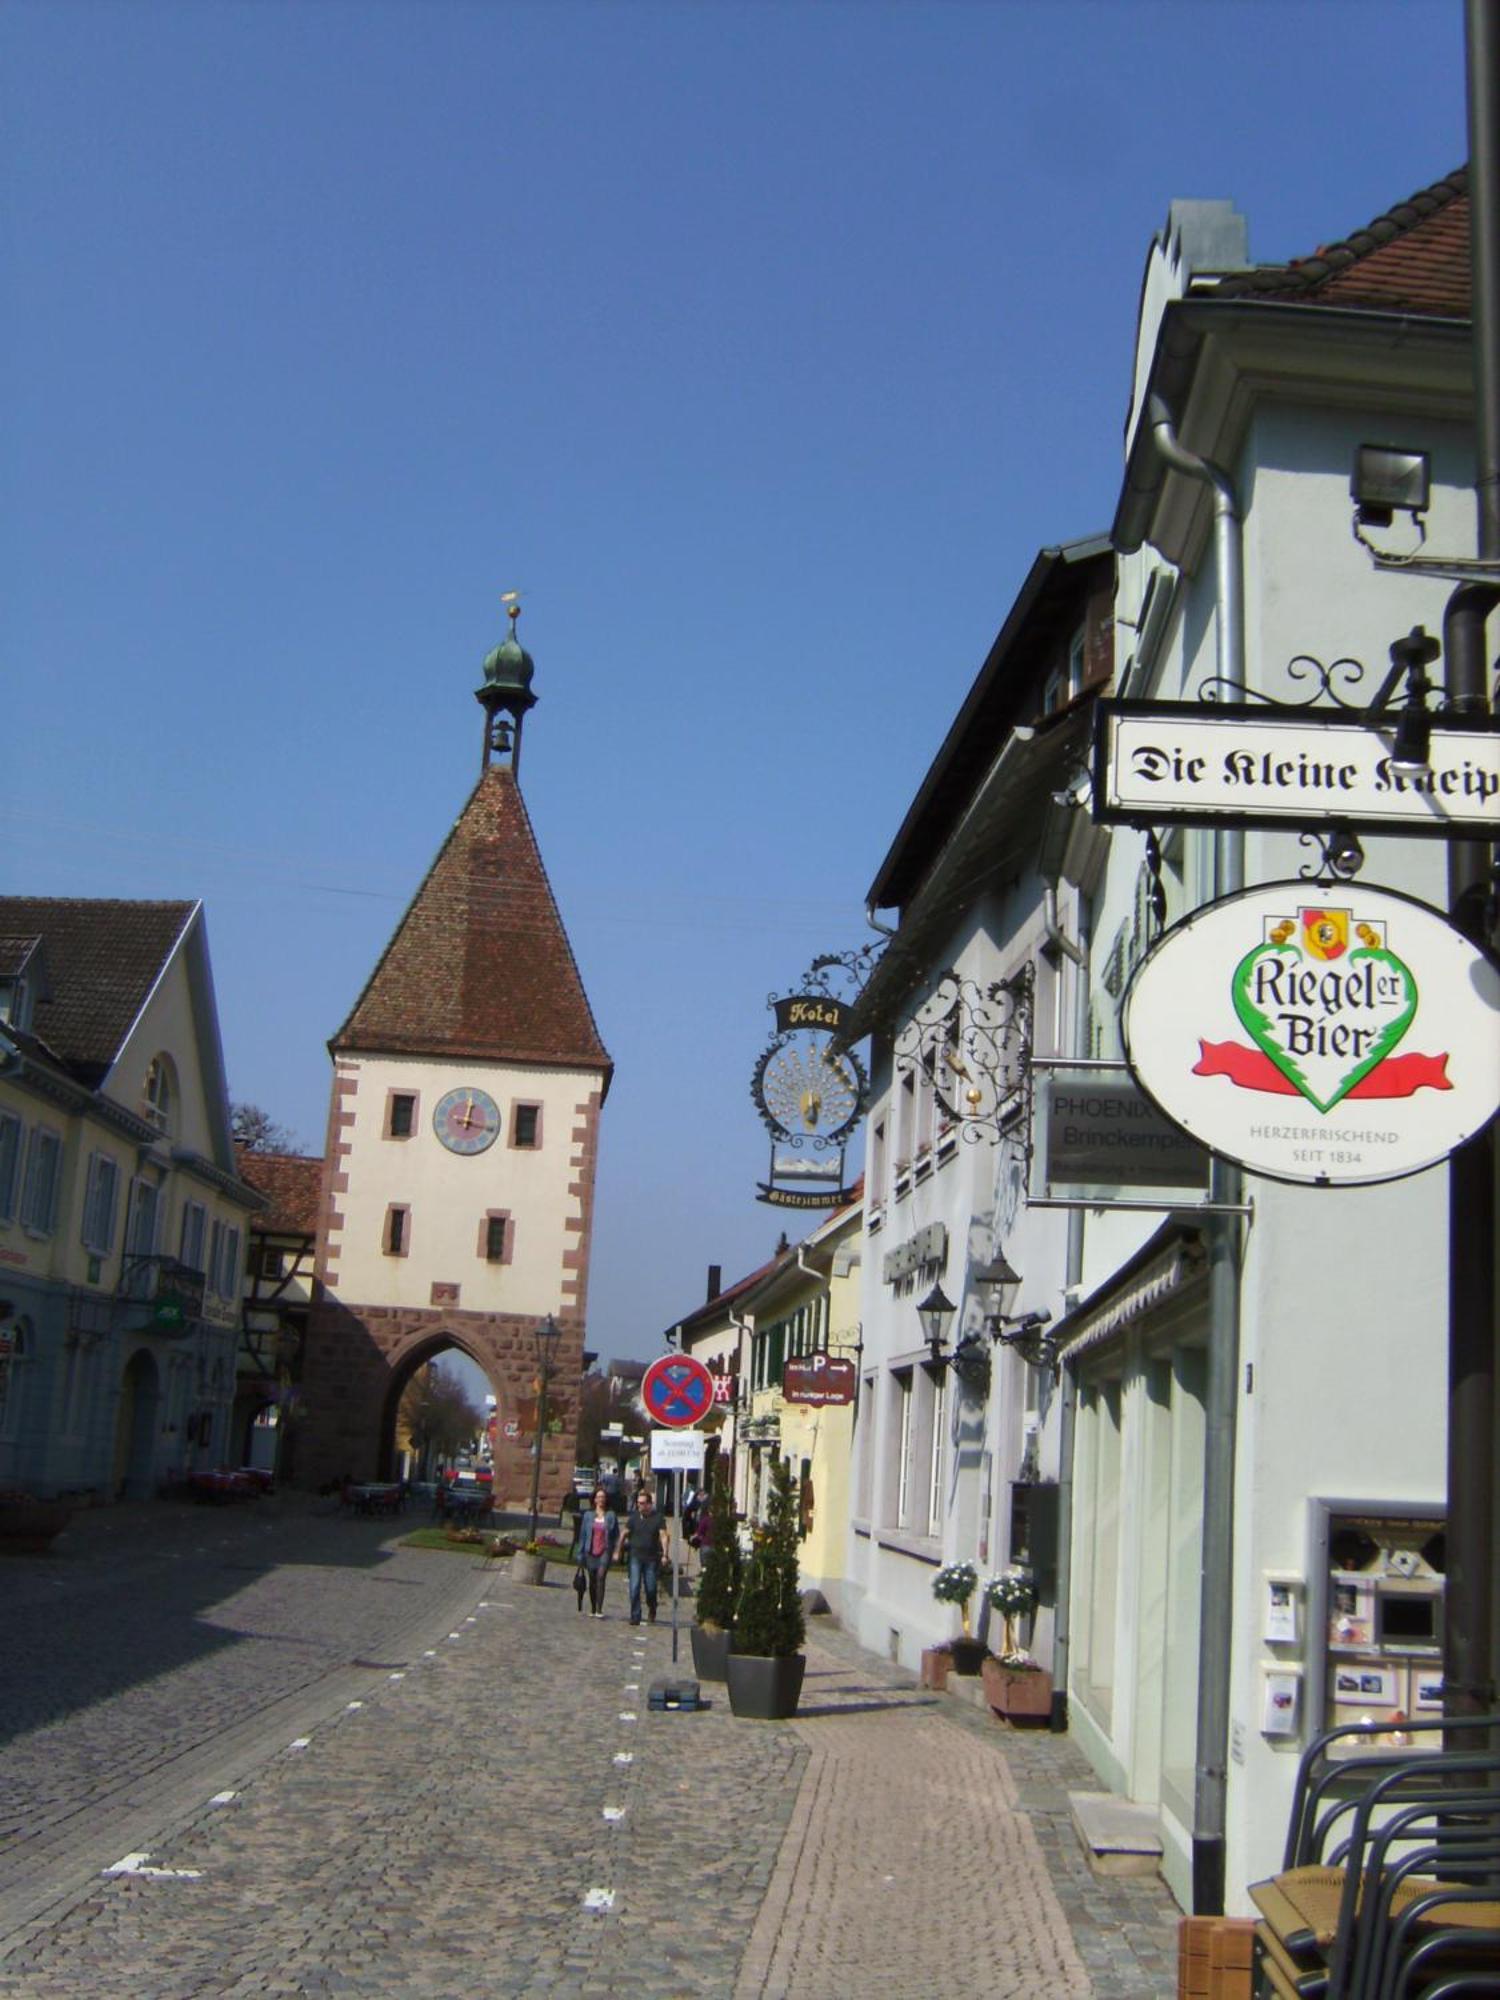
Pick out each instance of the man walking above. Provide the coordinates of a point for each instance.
(645, 1536)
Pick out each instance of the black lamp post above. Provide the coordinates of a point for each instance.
(545, 1338)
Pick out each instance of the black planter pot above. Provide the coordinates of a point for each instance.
(967, 1655)
(710, 1654)
(765, 1689)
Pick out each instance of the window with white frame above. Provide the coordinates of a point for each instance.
(935, 1464)
(227, 1272)
(100, 1201)
(10, 1164)
(158, 1094)
(140, 1230)
(902, 1429)
(215, 1253)
(39, 1190)
(864, 1473)
(190, 1235)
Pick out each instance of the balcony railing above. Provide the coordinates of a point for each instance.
(159, 1295)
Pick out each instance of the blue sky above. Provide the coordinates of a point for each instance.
(759, 345)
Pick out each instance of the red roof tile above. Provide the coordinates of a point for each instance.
(1415, 259)
(480, 966)
(292, 1184)
(103, 958)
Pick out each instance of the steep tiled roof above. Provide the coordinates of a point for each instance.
(480, 966)
(1415, 258)
(292, 1185)
(103, 958)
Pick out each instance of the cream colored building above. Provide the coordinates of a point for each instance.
(122, 1216)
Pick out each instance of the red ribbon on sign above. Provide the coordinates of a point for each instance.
(1253, 1069)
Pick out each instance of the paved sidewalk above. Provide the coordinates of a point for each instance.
(496, 1812)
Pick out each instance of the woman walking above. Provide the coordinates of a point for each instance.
(596, 1541)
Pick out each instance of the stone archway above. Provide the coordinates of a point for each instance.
(358, 1360)
(418, 1356)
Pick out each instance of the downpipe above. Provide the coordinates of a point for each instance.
(1223, 1233)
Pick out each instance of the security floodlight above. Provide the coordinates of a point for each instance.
(1388, 480)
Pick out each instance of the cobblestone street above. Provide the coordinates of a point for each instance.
(277, 1754)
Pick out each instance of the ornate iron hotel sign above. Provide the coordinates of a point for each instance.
(1223, 764)
(810, 1096)
(1326, 1037)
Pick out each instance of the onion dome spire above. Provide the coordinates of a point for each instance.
(506, 693)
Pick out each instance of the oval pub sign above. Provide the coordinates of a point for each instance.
(1335, 1037)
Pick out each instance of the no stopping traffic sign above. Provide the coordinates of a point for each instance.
(677, 1391)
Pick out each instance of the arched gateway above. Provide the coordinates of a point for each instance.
(458, 1183)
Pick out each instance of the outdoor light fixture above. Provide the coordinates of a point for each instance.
(1411, 751)
(1025, 1335)
(934, 1312)
(1388, 480)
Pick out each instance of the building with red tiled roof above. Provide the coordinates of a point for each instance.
(123, 1214)
(457, 1197)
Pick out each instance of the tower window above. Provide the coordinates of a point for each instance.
(497, 1241)
(400, 1114)
(526, 1126)
(397, 1234)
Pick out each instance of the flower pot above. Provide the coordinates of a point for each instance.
(765, 1688)
(528, 1569)
(937, 1664)
(27, 1527)
(967, 1655)
(710, 1654)
(1020, 1694)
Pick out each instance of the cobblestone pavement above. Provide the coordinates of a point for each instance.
(489, 1808)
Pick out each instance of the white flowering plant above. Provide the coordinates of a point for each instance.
(1011, 1594)
(955, 1583)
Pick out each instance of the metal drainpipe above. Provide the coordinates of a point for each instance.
(1469, 1639)
(1062, 1617)
(1216, 1622)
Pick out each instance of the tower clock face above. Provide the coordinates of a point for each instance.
(467, 1120)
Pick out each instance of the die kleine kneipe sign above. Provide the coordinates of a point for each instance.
(1331, 1037)
(1158, 763)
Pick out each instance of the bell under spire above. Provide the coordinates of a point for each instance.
(506, 694)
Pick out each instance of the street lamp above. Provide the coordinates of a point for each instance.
(934, 1312)
(545, 1338)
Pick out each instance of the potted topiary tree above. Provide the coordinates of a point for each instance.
(766, 1667)
(1014, 1685)
(956, 1584)
(719, 1581)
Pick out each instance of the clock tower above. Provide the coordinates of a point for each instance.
(463, 1132)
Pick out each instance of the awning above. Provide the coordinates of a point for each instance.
(1167, 1264)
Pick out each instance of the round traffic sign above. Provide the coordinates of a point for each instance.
(677, 1391)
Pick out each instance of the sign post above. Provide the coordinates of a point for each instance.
(677, 1452)
(678, 1393)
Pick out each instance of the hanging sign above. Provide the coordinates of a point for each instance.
(818, 1380)
(1098, 1129)
(1333, 1038)
(1160, 763)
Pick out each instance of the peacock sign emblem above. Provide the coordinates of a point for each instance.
(1319, 1042)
